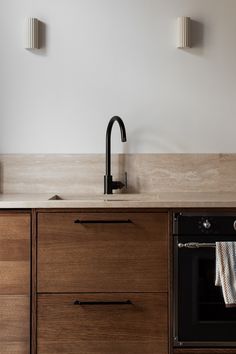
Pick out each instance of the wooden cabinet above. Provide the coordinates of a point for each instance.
(102, 252)
(100, 260)
(139, 327)
(14, 283)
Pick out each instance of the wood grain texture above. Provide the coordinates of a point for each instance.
(102, 257)
(14, 324)
(128, 329)
(14, 253)
(14, 348)
(14, 226)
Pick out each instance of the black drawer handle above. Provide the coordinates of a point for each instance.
(126, 302)
(128, 221)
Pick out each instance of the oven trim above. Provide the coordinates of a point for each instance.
(175, 294)
(178, 344)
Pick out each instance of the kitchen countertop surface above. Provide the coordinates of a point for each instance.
(160, 200)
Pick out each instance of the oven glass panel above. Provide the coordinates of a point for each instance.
(202, 315)
(210, 299)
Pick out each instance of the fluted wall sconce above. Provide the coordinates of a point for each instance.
(184, 33)
(31, 33)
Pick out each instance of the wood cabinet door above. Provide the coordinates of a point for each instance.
(14, 253)
(139, 327)
(102, 252)
(15, 283)
(14, 324)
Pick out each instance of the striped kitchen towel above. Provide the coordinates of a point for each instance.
(226, 271)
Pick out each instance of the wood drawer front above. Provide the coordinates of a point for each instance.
(139, 328)
(14, 324)
(14, 253)
(102, 257)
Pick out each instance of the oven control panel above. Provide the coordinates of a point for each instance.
(190, 223)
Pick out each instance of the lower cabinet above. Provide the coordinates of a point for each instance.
(102, 285)
(121, 323)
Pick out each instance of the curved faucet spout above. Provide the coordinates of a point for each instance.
(108, 140)
(122, 128)
(108, 184)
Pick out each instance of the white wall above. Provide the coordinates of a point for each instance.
(107, 57)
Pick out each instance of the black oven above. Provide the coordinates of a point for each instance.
(200, 316)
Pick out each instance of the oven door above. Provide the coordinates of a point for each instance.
(200, 315)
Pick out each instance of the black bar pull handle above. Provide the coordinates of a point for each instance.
(126, 302)
(78, 221)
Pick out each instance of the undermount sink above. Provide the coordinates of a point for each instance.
(75, 197)
(105, 198)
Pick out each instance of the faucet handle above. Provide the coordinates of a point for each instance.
(119, 184)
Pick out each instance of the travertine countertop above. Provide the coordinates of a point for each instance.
(161, 200)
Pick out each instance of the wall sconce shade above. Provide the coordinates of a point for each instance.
(184, 33)
(31, 33)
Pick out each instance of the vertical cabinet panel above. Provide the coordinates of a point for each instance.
(15, 231)
(14, 254)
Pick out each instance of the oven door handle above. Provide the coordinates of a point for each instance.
(196, 245)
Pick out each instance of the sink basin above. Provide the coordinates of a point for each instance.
(96, 197)
(76, 197)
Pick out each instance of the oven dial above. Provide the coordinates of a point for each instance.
(234, 225)
(207, 225)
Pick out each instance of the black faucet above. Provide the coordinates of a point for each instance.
(109, 185)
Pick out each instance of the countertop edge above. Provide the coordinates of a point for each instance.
(114, 204)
